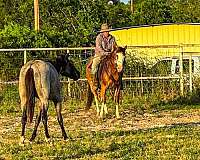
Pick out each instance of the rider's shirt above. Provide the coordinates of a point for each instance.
(104, 44)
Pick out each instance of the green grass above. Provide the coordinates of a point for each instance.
(160, 143)
(169, 142)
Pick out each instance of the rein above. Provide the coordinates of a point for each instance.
(111, 62)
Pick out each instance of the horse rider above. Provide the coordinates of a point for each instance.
(105, 42)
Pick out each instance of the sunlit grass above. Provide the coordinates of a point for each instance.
(90, 139)
(168, 142)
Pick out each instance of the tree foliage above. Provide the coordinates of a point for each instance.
(62, 23)
(153, 11)
(166, 11)
(69, 23)
(73, 23)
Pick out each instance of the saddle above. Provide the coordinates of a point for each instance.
(99, 70)
(89, 65)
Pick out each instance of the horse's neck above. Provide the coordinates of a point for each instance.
(110, 68)
(56, 65)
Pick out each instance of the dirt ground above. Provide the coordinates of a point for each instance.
(88, 121)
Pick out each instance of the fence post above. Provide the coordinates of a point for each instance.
(190, 72)
(69, 84)
(25, 57)
(181, 70)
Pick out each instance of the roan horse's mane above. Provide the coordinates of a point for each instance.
(57, 63)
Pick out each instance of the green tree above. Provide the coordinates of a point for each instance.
(153, 12)
(185, 11)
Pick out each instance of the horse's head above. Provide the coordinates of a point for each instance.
(120, 58)
(67, 68)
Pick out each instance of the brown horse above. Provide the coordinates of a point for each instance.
(109, 75)
(41, 79)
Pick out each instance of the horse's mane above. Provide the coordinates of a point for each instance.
(105, 65)
(57, 62)
(108, 62)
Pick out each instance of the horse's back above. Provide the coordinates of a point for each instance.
(89, 64)
(41, 70)
(88, 68)
(46, 79)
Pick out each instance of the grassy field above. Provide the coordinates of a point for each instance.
(179, 142)
(164, 134)
(147, 129)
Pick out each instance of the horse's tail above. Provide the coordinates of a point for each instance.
(90, 97)
(30, 88)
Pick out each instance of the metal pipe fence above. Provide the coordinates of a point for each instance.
(157, 71)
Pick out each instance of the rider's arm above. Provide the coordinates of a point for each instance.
(99, 49)
(114, 43)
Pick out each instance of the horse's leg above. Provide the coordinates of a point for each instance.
(95, 97)
(97, 105)
(37, 122)
(96, 100)
(105, 109)
(45, 118)
(101, 113)
(42, 86)
(103, 98)
(24, 100)
(117, 111)
(60, 119)
(23, 121)
(90, 97)
(116, 98)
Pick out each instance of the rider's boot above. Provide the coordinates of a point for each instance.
(95, 81)
(94, 74)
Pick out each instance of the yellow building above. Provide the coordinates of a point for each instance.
(162, 40)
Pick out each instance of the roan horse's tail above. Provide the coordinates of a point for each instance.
(90, 98)
(30, 88)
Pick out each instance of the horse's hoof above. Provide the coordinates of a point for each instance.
(21, 141)
(21, 144)
(87, 109)
(30, 142)
(118, 117)
(48, 140)
(101, 115)
(66, 138)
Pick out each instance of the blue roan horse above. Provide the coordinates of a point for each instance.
(41, 79)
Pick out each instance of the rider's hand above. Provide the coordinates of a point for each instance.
(106, 53)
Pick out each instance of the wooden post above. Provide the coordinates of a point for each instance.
(132, 6)
(190, 72)
(181, 70)
(36, 14)
(69, 84)
(25, 57)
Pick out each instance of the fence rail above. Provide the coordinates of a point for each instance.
(136, 75)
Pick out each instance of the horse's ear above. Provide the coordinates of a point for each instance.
(125, 47)
(66, 56)
(114, 48)
(60, 58)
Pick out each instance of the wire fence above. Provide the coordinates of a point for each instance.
(152, 72)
